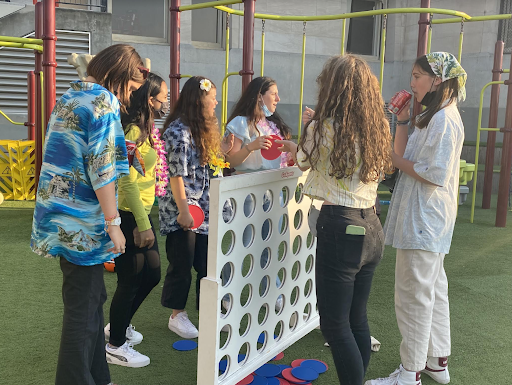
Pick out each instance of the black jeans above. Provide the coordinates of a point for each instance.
(138, 272)
(185, 249)
(344, 271)
(82, 344)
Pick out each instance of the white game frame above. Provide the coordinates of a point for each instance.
(294, 323)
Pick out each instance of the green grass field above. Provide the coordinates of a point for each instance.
(479, 270)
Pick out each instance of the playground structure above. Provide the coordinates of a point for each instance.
(213, 345)
(41, 99)
(293, 260)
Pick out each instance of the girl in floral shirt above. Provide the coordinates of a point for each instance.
(192, 141)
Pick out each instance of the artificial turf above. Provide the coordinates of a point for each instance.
(479, 269)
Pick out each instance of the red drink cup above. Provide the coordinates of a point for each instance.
(398, 102)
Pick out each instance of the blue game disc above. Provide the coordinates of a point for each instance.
(223, 364)
(261, 338)
(272, 381)
(258, 380)
(305, 374)
(316, 365)
(184, 345)
(241, 357)
(268, 370)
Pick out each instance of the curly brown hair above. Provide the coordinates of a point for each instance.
(190, 109)
(349, 97)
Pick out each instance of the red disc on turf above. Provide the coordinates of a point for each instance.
(280, 356)
(296, 363)
(282, 381)
(288, 376)
(246, 381)
(272, 153)
(198, 215)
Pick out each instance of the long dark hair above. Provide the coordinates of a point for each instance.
(246, 105)
(349, 99)
(140, 112)
(447, 90)
(190, 110)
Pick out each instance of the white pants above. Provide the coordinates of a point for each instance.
(421, 306)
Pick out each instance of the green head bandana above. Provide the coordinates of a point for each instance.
(446, 66)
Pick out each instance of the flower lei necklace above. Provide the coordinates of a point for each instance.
(161, 163)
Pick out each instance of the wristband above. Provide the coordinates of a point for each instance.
(403, 122)
(112, 217)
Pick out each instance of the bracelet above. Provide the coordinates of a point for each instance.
(247, 147)
(403, 122)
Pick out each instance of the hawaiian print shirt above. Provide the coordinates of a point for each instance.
(183, 160)
(84, 150)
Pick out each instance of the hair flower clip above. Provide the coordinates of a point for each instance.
(206, 85)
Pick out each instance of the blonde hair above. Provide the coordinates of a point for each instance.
(349, 97)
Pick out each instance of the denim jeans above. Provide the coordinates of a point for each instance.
(345, 265)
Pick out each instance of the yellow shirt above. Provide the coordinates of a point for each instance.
(136, 192)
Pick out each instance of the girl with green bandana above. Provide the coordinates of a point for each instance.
(421, 218)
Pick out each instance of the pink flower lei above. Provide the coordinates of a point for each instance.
(161, 163)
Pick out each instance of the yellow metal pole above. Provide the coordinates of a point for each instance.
(382, 51)
(388, 11)
(429, 39)
(343, 32)
(224, 104)
(461, 38)
(476, 18)
(225, 97)
(10, 120)
(43, 127)
(506, 71)
(24, 40)
(302, 78)
(477, 149)
(262, 46)
(21, 45)
(209, 4)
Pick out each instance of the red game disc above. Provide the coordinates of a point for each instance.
(246, 381)
(296, 363)
(198, 215)
(272, 153)
(280, 356)
(282, 381)
(288, 376)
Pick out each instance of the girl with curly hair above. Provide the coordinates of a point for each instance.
(347, 146)
(192, 140)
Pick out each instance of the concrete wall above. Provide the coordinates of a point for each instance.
(21, 23)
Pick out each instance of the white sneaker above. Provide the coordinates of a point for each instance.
(125, 355)
(279, 304)
(398, 377)
(132, 336)
(182, 326)
(437, 369)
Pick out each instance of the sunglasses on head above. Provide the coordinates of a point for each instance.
(144, 71)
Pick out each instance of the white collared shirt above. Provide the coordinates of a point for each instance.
(422, 216)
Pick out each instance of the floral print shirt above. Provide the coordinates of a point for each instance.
(84, 150)
(183, 160)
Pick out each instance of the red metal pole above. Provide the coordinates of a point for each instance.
(248, 49)
(493, 123)
(422, 43)
(38, 68)
(31, 105)
(506, 161)
(175, 25)
(49, 61)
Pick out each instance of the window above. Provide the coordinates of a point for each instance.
(86, 5)
(140, 21)
(207, 26)
(505, 29)
(364, 32)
